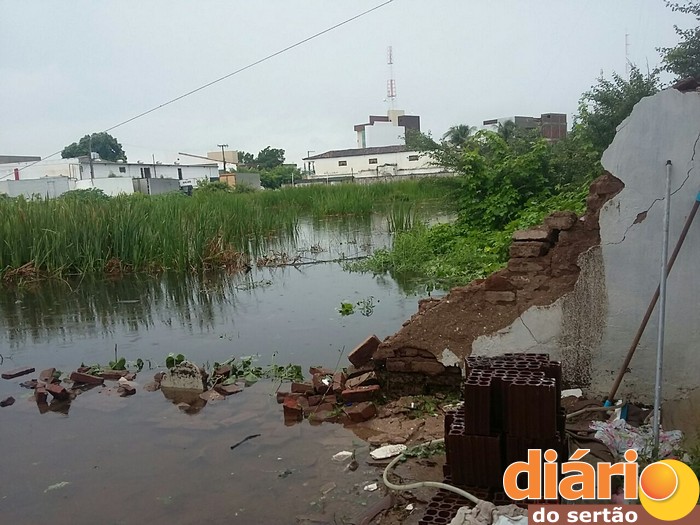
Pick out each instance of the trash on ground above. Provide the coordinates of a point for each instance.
(371, 487)
(342, 456)
(328, 487)
(387, 451)
(572, 392)
(619, 436)
(486, 513)
(57, 486)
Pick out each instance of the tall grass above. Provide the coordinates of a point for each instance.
(141, 233)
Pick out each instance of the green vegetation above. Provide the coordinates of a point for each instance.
(85, 231)
(508, 180)
(103, 144)
(684, 59)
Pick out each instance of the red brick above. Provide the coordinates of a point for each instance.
(498, 284)
(323, 384)
(113, 375)
(227, 390)
(292, 410)
(353, 371)
(320, 370)
(360, 412)
(363, 393)
(57, 391)
(364, 352)
(40, 394)
(158, 376)
(302, 388)
(339, 380)
(420, 365)
(280, 396)
(535, 234)
(79, 377)
(561, 220)
(8, 401)
(223, 371)
(47, 375)
(314, 400)
(370, 378)
(126, 390)
(528, 265)
(11, 374)
(528, 249)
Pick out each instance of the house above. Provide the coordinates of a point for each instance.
(377, 162)
(111, 177)
(552, 126)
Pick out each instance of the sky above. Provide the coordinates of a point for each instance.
(71, 68)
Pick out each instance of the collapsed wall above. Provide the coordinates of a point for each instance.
(578, 288)
(515, 304)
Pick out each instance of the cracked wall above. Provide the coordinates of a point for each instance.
(663, 127)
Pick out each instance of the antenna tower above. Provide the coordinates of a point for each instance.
(627, 55)
(391, 83)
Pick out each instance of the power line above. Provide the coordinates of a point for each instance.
(236, 72)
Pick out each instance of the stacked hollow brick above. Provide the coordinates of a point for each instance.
(511, 404)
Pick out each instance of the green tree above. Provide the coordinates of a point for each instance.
(609, 102)
(102, 143)
(282, 174)
(245, 158)
(684, 59)
(459, 134)
(269, 158)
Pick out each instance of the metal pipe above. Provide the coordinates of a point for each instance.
(662, 312)
(652, 303)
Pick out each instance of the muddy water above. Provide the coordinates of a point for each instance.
(106, 459)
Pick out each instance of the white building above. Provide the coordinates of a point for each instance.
(389, 130)
(383, 161)
(111, 177)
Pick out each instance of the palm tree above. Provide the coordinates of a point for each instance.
(507, 130)
(459, 134)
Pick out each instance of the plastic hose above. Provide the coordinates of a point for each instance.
(420, 484)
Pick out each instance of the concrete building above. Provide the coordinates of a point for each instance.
(10, 159)
(552, 126)
(383, 161)
(389, 130)
(105, 175)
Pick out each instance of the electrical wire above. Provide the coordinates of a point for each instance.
(229, 75)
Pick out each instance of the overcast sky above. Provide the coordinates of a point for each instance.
(73, 67)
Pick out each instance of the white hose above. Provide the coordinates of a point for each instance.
(420, 484)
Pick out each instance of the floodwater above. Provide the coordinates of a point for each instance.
(111, 460)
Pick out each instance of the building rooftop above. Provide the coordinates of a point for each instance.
(357, 152)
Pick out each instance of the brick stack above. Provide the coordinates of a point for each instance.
(511, 404)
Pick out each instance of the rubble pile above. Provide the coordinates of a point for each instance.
(345, 396)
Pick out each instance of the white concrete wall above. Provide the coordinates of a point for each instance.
(110, 186)
(663, 127)
(384, 134)
(191, 174)
(45, 187)
(359, 165)
(48, 168)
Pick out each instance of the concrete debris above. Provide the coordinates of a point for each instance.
(388, 451)
(370, 487)
(185, 376)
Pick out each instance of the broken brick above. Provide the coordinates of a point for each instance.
(314, 400)
(88, 379)
(529, 249)
(339, 380)
(158, 376)
(151, 386)
(422, 365)
(363, 393)
(47, 375)
(130, 376)
(370, 378)
(561, 220)
(535, 234)
(302, 388)
(497, 283)
(320, 370)
(353, 370)
(360, 412)
(126, 389)
(11, 374)
(323, 384)
(40, 394)
(211, 395)
(223, 371)
(364, 352)
(57, 391)
(8, 401)
(280, 397)
(31, 384)
(292, 410)
(112, 375)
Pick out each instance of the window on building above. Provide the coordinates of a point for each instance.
(122, 169)
(413, 157)
(342, 163)
(372, 161)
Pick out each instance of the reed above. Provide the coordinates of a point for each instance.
(71, 235)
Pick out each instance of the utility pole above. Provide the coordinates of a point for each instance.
(223, 155)
(92, 170)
